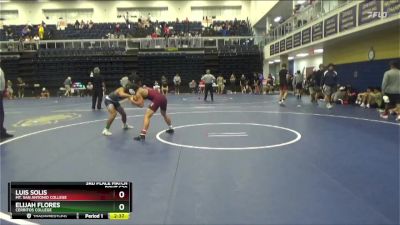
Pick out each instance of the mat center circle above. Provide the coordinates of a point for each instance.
(229, 136)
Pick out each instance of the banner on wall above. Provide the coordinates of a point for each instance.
(347, 19)
(289, 43)
(391, 7)
(368, 11)
(297, 40)
(317, 32)
(276, 47)
(282, 45)
(271, 49)
(306, 36)
(330, 26)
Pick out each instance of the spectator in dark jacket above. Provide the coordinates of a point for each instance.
(98, 85)
(329, 84)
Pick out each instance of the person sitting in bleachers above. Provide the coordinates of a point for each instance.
(156, 86)
(82, 25)
(41, 32)
(10, 90)
(76, 26)
(45, 93)
(192, 86)
(90, 24)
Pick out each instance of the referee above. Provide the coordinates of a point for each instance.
(208, 80)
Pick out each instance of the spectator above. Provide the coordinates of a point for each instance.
(192, 86)
(329, 83)
(202, 86)
(220, 83)
(310, 83)
(164, 85)
(10, 90)
(9, 33)
(232, 81)
(260, 81)
(82, 25)
(243, 84)
(363, 97)
(20, 87)
(298, 83)
(67, 85)
(375, 98)
(25, 32)
(317, 82)
(283, 84)
(98, 88)
(117, 30)
(270, 84)
(41, 32)
(45, 93)
(77, 25)
(3, 131)
(256, 84)
(89, 89)
(391, 88)
(91, 24)
(177, 82)
(36, 38)
(166, 31)
(340, 96)
(156, 86)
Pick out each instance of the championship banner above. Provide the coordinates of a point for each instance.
(347, 19)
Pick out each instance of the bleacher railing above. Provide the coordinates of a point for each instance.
(134, 43)
(304, 16)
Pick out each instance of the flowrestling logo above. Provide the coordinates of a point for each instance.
(377, 15)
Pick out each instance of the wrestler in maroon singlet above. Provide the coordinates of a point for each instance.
(158, 101)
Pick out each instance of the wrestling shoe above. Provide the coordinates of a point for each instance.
(170, 131)
(106, 132)
(127, 126)
(384, 116)
(141, 137)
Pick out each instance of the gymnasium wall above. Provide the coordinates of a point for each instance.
(306, 62)
(361, 75)
(384, 42)
(106, 11)
(351, 57)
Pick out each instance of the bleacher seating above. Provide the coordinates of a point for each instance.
(133, 30)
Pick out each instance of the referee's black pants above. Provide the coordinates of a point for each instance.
(97, 98)
(208, 88)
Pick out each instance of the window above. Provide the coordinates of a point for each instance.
(70, 15)
(8, 14)
(219, 12)
(137, 12)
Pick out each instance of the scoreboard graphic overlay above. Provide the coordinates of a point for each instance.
(70, 200)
